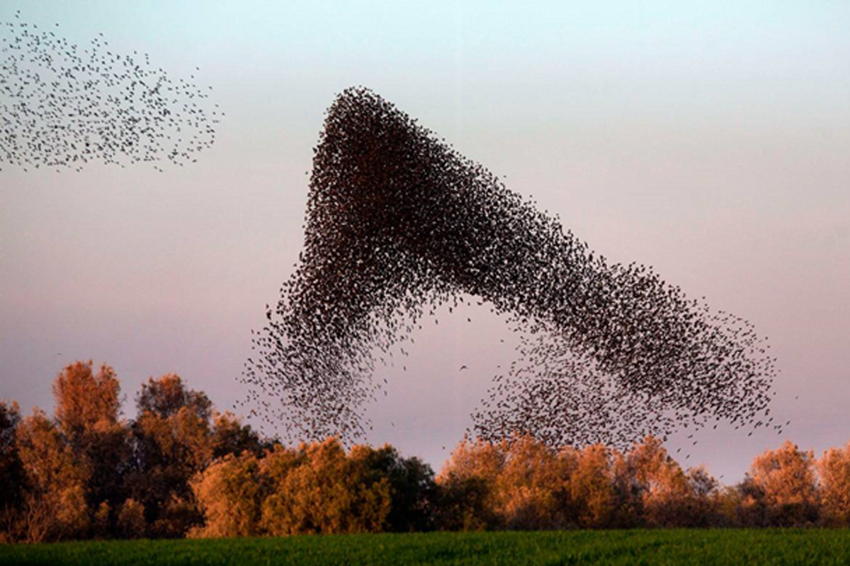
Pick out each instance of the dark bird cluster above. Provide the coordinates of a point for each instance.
(63, 106)
(398, 222)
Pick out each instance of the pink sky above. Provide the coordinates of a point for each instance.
(710, 143)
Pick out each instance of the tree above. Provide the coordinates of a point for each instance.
(663, 487)
(230, 436)
(411, 481)
(55, 497)
(467, 498)
(704, 503)
(168, 395)
(592, 488)
(11, 471)
(730, 507)
(370, 487)
(172, 442)
(131, 519)
(532, 489)
(86, 400)
(229, 495)
(782, 483)
(276, 513)
(328, 492)
(834, 471)
(87, 408)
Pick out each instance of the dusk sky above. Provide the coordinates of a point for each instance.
(710, 140)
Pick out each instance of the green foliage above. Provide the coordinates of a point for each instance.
(618, 548)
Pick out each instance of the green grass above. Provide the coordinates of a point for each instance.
(738, 547)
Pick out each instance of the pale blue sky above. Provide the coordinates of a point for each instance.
(708, 139)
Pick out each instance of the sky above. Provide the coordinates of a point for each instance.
(709, 140)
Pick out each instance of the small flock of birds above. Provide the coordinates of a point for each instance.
(63, 106)
(398, 223)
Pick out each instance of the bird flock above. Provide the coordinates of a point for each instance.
(63, 106)
(398, 223)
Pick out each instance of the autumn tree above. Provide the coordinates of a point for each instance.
(627, 502)
(834, 472)
(10, 462)
(176, 435)
(411, 482)
(229, 494)
(780, 488)
(532, 489)
(467, 498)
(172, 442)
(168, 395)
(181, 467)
(319, 489)
(55, 494)
(131, 522)
(85, 400)
(592, 488)
(664, 490)
(231, 436)
(370, 489)
(704, 503)
(276, 514)
(87, 409)
(729, 507)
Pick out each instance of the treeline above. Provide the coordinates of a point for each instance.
(85, 473)
(180, 468)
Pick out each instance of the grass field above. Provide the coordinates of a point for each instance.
(739, 547)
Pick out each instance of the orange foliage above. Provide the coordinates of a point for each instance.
(168, 395)
(86, 400)
(467, 482)
(228, 494)
(783, 485)
(592, 487)
(182, 467)
(533, 487)
(131, 519)
(325, 492)
(834, 471)
(663, 487)
(55, 504)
